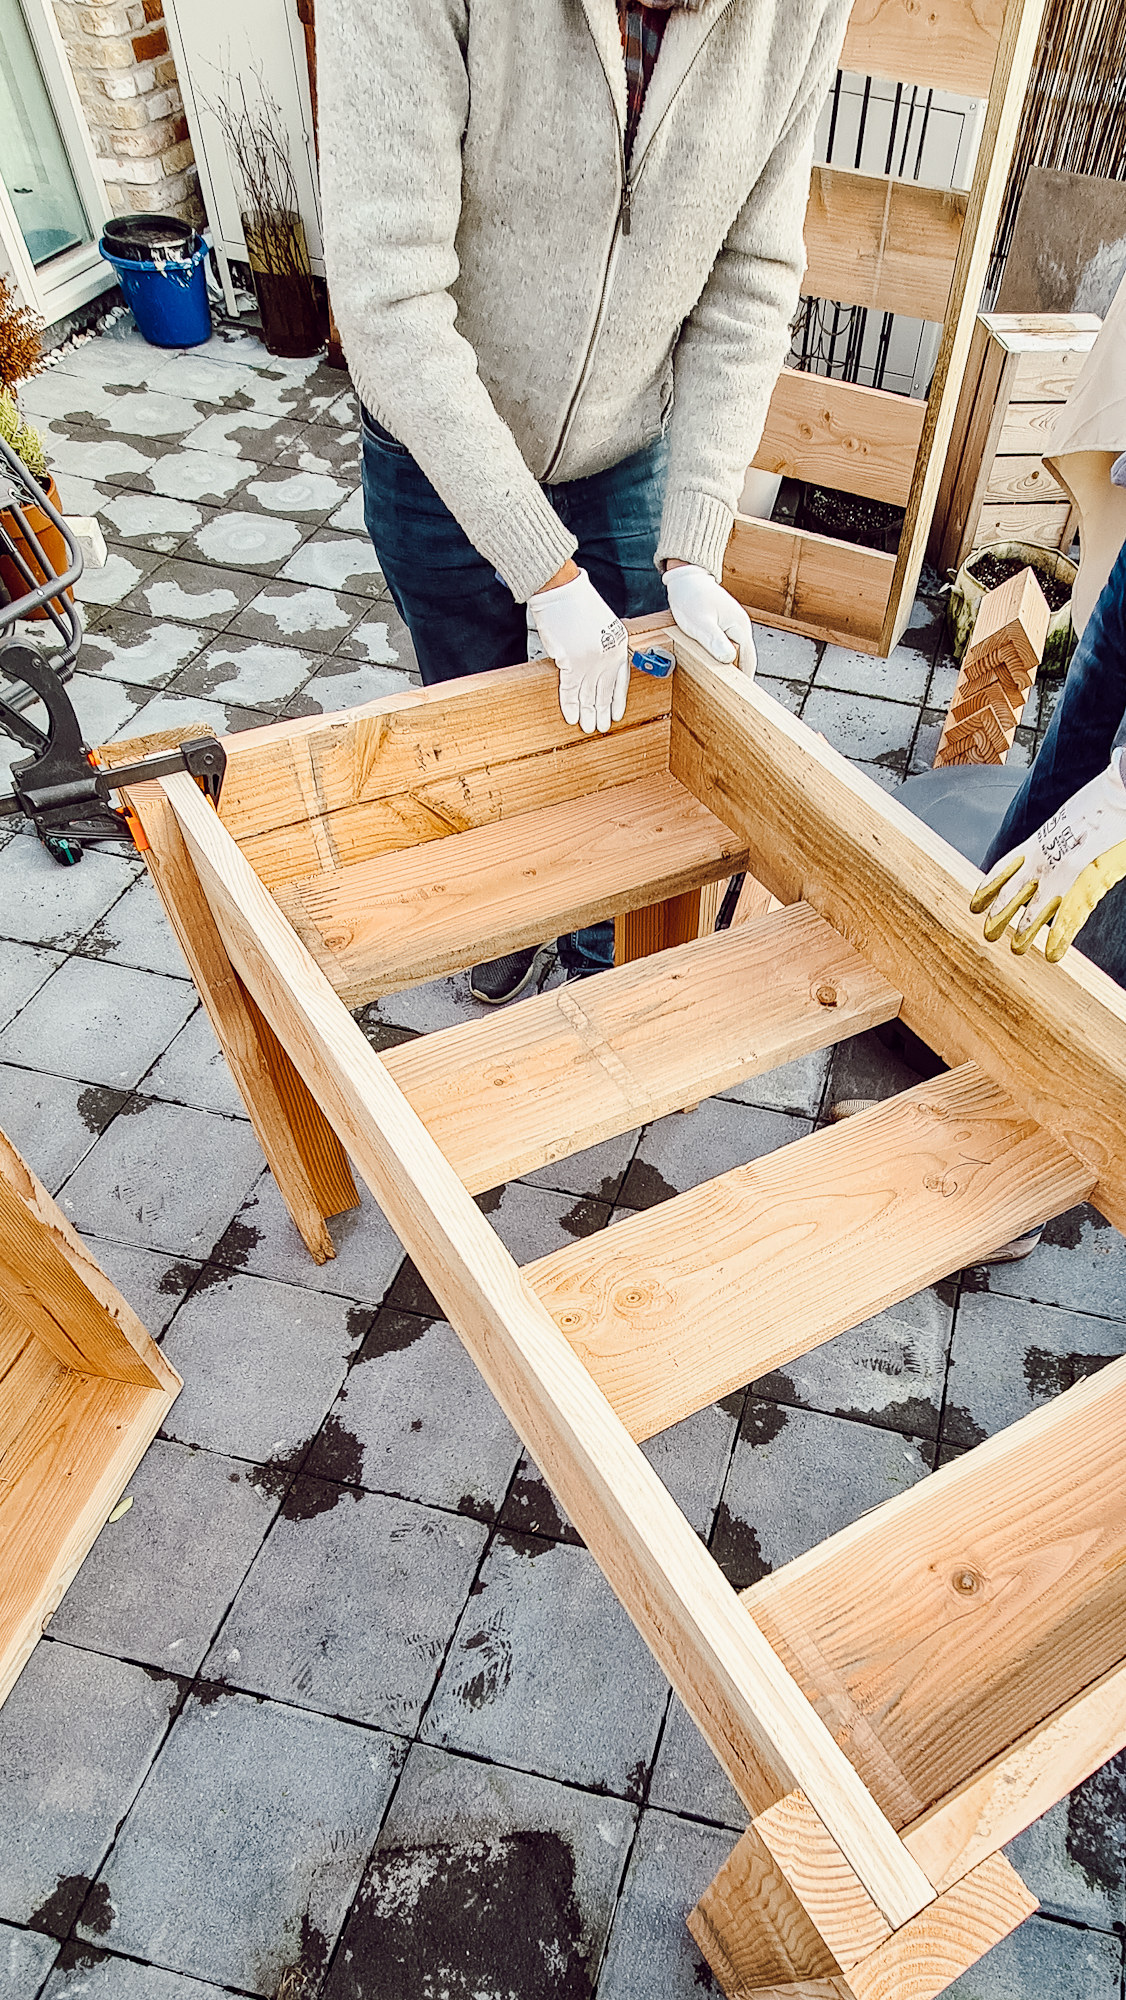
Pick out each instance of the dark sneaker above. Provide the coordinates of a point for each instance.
(501, 979)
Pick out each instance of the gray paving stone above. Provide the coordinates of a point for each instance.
(416, 1419)
(319, 448)
(337, 562)
(240, 539)
(85, 1973)
(789, 694)
(193, 1070)
(48, 905)
(189, 715)
(309, 497)
(784, 654)
(864, 1066)
(548, 1673)
(597, 1170)
(1080, 1262)
(77, 1735)
(796, 1086)
(151, 1282)
(158, 1582)
(289, 613)
(262, 1363)
(23, 969)
(263, 1239)
(493, 1879)
(137, 932)
(213, 477)
(1074, 1859)
(202, 594)
(26, 1958)
(121, 573)
(99, 1022)
(861, 726)
(90, 456)
(796, 1478)
(685, 1149)
(167, 1177)
(351, 1605)
(1010, 1356)
(651, 1951)
(1045, 1958)
(247, 671)
(340, 685)
(891, 1369)
(687, 1779)
(530, 1221)
(245, 1849)
(691, 1459)
(149, 520)
(53, 1121)
(105, 706)
(903, 676)
(254, 435)
(380, 639)
(129, 647)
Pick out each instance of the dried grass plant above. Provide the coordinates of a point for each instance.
(257, 142)
(21, 349)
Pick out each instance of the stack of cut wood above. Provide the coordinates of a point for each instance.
(997, 674)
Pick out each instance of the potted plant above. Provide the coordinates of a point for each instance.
(21, 354)
(987, 567)
(294, 316)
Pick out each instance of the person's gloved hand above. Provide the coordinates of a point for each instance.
(1063, 870)
(588, 643)
(710, 615)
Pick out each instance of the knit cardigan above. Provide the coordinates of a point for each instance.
(515, 306)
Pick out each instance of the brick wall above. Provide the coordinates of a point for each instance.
(126, 79)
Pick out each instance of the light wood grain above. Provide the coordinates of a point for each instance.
(951, 45)
(1015, 479)
(872, 241)
(808, 583)
(516, 1090)
(842, 435)
(1027, 429)
(1052, 1036)
(687, 1301)
(980, 411)
(406, 917)
(764, 1733)
(1043, 523)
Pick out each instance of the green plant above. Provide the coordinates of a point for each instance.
(21, 349)
(25, 440)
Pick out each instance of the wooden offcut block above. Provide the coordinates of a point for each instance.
(997, 674)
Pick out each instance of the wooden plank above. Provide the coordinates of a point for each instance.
(842, 435)
(1027, 430)
(1043, 335)
(51, 1285)
(297, 1140)
(659, 926)
(28, 1372)
(807, 583)
(1045, 525)
(949, 46)
(969, 441)
(1015, 479)
(1049, 378)
(405, 917)
(876, 241)
(1016, 49)
(516, 1090)
(1015, 1555)
(687, 1301)
(728, 1677)
(1053, 1036)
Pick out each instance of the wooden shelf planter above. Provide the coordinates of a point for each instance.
(83, 1392)
(888, 1741)
(891, 245)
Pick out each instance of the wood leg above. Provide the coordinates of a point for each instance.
(305, 1156)
(677, 921)
(786, 1919)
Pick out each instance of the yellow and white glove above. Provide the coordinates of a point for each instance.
(588, 643)
(1066, 867)
(710, 615)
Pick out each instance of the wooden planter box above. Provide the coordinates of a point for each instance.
(83, 1392)
(898, 1704)
(995, 486)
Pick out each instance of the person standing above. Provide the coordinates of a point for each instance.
(564, 244)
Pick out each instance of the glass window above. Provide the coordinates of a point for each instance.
(33, 159)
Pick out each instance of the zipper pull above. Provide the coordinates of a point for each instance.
(627, 197)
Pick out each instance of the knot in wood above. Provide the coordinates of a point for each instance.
(966, 1582)
(827, 996)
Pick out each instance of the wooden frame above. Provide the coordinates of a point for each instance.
(893, 245)
(83, 1392)
(995, 487)
(874, 1865)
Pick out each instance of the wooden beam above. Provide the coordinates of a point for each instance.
(842, 435)
(875, 241)
(1044, 524)
(764, 1733)
(1053, 1036)
(948, 46)
(687, 1301)
(659, 926)
(1018, 479)
(406, 917)
(807, 583)
(972, 447)
(513, 1091)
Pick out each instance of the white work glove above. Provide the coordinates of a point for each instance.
(1058, 875)
(588, 643)
(709, 614)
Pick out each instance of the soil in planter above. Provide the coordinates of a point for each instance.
(293, 323)
(989, 571)
(848, 517)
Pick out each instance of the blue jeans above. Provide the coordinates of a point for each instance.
(463, 620)
(1089, 722)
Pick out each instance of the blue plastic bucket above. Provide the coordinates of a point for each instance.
(167, 291)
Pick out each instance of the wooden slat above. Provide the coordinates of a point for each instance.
(515, 1090)
(689, 1300)
(1048, 378)
(972, 448)
(872, 241)
(1027, 430)
(405, 917)
(28, 1372)
(1043, 524)
(808, 583)
(1053, 1036)
(951, 45)
(1014, 1555)
(659, 926)
(1018, 479)
(728, 1677)
(842, 435)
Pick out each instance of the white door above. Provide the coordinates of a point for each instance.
(52, 201)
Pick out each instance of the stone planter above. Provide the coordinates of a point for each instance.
(967, 593)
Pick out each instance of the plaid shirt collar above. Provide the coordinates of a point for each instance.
(642, 28)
